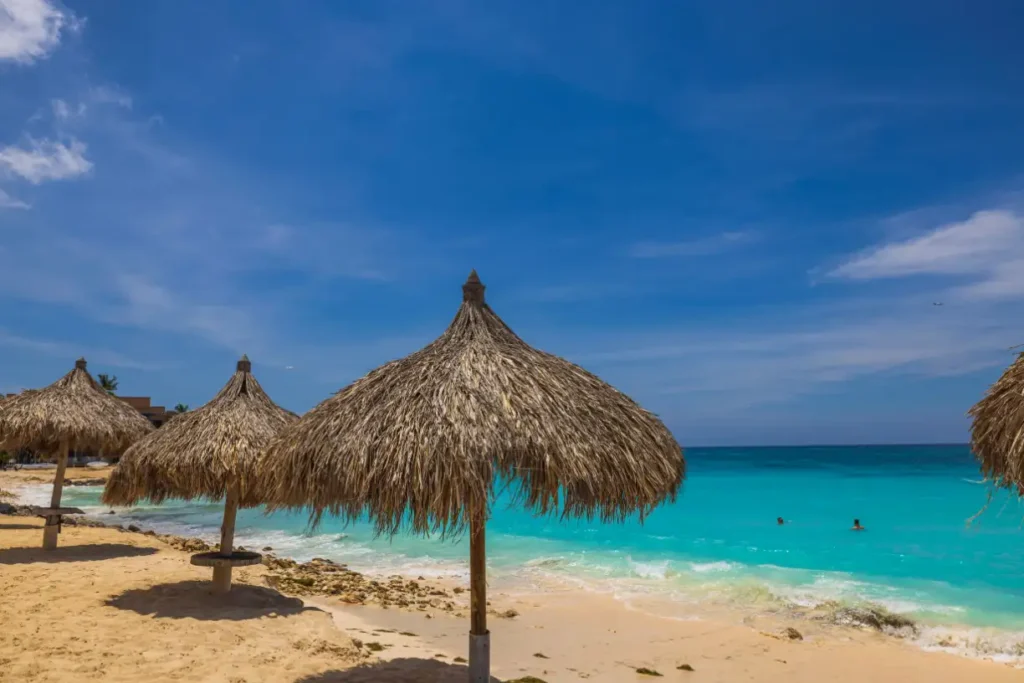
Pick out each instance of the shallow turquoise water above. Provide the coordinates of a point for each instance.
(720, 542)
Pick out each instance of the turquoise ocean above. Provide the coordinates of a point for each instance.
(719, 542)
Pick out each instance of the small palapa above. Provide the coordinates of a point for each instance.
(73, 413)
(208, 453)
(420, 442)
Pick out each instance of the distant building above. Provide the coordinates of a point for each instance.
(156, 414)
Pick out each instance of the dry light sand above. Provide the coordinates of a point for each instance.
(118, 606)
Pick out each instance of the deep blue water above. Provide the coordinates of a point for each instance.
(720, 542)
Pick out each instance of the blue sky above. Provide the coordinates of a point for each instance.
(741, 213)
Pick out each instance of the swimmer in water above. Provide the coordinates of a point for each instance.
(780, 521)
(857, 526)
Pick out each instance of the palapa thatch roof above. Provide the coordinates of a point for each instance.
(199, 453)
(997, 430)
(419, 440)
(75, 410)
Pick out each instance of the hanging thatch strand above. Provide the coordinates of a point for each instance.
(199, 453)
(419, 440)
(73, 410)
(997, 431)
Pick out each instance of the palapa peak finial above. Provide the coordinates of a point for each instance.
(80, 364)
(243, 364)
(473, 290)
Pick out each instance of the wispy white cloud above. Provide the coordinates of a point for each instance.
(780, 355)
(62, 111)
(43, 160)
(704, 246)
(9, 202)
(31, 29)
(986, 249)
(109, 94)
(975, 245)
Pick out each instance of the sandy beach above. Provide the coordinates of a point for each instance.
(115, 605)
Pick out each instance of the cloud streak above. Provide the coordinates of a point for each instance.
(9, 202)
(987, 248)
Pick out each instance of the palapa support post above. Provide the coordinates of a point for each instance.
(52, 527)
(222, 573)
(479, 636)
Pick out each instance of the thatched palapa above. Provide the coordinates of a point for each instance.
(72, 413)
(207, 453)
(421, 440)
(997, 430)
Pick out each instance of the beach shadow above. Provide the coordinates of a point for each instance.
(19, 527)
(196, 600)
(73, 553)
(405, 670)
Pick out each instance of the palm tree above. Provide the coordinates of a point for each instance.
(181, 408)
(107, 382)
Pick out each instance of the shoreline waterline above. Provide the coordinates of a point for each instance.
(676, 588)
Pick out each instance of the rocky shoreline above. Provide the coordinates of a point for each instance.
(318, 577)
(327, 578)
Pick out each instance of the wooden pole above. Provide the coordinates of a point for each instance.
(479, 636)
(222, 575)
(52, 527)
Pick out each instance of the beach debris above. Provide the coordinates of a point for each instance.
(507, 614)
(540, 655)
(321, 576)
(644, 671)
(684, 667)
(791, 633)
(374, 646)
(870, 616)
(459, 660)
(319, 646)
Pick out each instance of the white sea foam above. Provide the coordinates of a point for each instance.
(706, 567)
(650, 570)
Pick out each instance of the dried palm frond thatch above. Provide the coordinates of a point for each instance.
(206, 453)
(997, 429)
(72, 413)
(75, 411)
(420, 441)
(199, 454)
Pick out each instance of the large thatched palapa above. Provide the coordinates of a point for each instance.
(419, 442)
(206, 453)
(72, 413)
(997, 430)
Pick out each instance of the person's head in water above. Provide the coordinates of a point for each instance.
(857, 526)
(780, 521)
